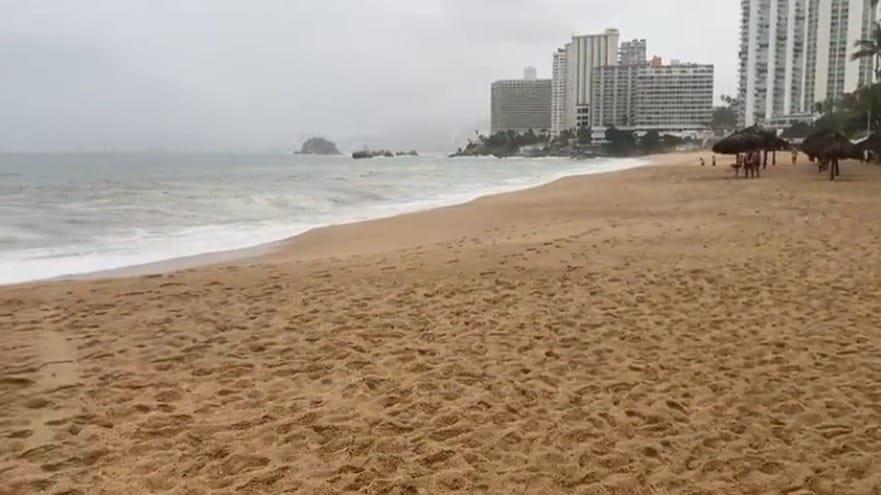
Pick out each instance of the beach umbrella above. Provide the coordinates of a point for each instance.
(812, 144)
(769, 137)
(839, 147)
(751, 139)
(775, 143)
(834, 147)
(831, 144)
(739, 142)
(770, 142)
(872, 143)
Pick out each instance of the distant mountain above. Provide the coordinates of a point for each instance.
(319, 146)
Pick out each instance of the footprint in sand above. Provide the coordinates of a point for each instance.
(57, 373)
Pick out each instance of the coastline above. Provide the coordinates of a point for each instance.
(253, 253)
(663, 329)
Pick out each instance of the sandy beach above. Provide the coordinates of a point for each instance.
(663, 330)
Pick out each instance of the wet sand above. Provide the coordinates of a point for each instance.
(662, 330)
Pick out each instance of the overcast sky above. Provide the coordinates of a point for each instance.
(265, 74)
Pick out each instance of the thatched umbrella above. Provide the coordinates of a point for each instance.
(751, 139)
(836, 146)
(775, 143)
(771, 142)
(737, 143)
(812, 144)
(873, 144)
(769, 137)
(741, 143)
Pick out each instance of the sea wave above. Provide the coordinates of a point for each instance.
(196, 216)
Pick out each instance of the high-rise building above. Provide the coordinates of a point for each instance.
(585, 53)
(530, 74)
(521, 105)
(558, 93)
(614, 90)
(573, 73)
(795, 54)
(632, 52)
(674, 97)
(644, 97)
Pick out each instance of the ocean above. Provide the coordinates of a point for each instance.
(70, 214)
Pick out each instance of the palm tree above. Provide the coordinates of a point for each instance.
(870, 49)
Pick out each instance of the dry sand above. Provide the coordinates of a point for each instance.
(661, 330)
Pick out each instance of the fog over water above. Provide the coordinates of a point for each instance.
(263, 75)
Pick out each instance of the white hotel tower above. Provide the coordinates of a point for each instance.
(797, 53)
(572, 78)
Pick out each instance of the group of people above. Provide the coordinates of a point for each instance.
(751, 161)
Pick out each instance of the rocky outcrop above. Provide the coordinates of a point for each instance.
(480, 148)
(484, 147)
(319, 146)
(360, 155)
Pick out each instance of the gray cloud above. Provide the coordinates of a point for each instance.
(263, 74)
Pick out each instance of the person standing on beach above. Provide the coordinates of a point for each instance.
(795, 157)
(703, 163)
(714, 160)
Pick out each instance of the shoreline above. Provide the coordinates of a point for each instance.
(656, 330)
(255, 252)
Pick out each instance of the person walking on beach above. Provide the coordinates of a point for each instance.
(714, 160)
(703, 163)
(795, 157)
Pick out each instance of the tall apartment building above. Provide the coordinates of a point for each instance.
(558, 93)
(632, 52)
(521, 104)
(674, 97)
(614, 87)
(573, 73)
(671, 98)
(796, 53)
(614, 91)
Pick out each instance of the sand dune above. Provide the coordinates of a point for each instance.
(661, 330)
